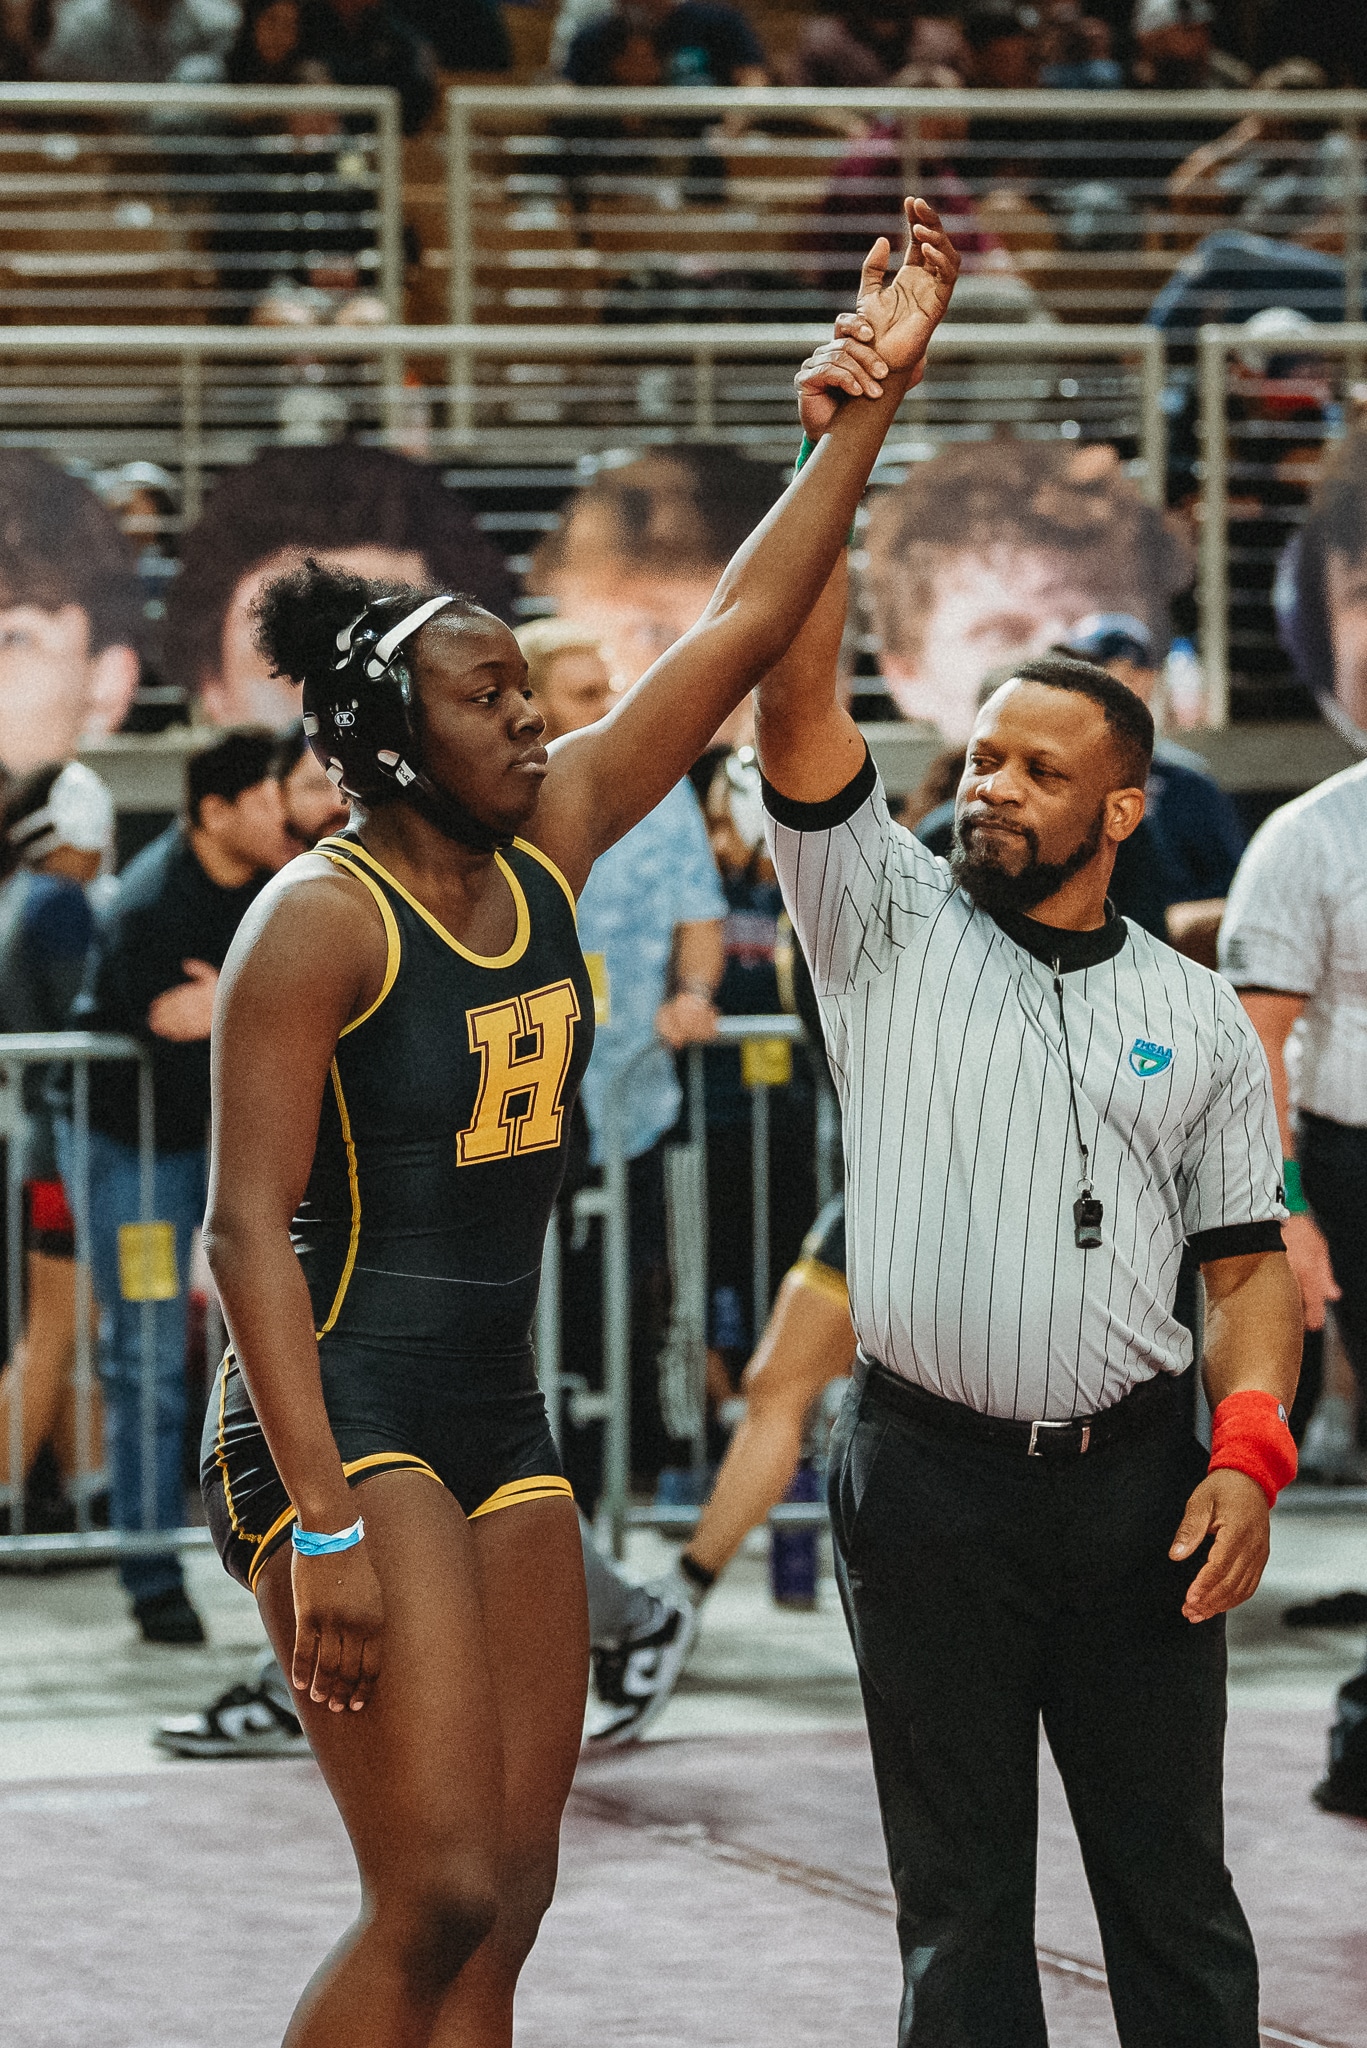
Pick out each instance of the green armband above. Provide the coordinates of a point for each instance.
(809, 448)
(1293, 1193)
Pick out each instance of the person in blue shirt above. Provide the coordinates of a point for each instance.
(650, 924)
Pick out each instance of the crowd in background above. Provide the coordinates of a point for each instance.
(1011, 44)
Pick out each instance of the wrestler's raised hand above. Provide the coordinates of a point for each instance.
(902, 313)
(338, 1623)
(891, 325)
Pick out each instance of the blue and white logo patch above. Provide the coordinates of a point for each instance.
(1148, 1059)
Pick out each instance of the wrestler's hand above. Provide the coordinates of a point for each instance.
(902, 315)
(846, 367)
(338, 1624)
(1233, 1508)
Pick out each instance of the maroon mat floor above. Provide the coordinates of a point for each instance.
(723, 1894)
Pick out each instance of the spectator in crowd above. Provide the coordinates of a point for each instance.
(1193, 824)
(650, 923)
(56, 832)
(177, 906)
(693, 42)
(866, 42)
(1002, 46)
(465, 35)
(566, 673)
(639, 549)
(368, 42)
(140, 42)
(25, 26)
(1075, 51)
(1321, 593)
(313, 806)
(363, 509)
(995, 550)
(1294, 943)
(1175, 49)
(70, 614)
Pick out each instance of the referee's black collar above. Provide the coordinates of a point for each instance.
(1072, 950)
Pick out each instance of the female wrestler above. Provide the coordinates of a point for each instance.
(401, 1025)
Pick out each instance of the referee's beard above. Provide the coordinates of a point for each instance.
(1001, 869)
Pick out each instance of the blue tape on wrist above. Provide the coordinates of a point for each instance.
(310, 1545)
(807, 448)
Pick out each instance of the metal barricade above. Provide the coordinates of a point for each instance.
(630, 204)
(79, 1049)
(608, 1204)
(189, 202)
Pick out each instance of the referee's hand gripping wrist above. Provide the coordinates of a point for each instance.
(1232, 1509)
(338, 1627)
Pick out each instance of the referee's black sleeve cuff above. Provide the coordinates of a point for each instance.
(1236, 1241)
(822, 817)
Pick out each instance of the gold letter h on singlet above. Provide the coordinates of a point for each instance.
(497, 1129)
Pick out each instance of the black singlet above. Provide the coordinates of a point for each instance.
(441, 1145)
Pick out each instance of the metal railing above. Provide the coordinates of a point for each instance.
(78, 1050)
(184, 202)
(633, 203)
(607, 1203)
(1268, 414)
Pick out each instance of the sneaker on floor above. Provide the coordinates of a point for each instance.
(635, 1679)
(169, 1618)
(247, 1720)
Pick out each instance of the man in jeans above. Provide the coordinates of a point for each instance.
(155, 971)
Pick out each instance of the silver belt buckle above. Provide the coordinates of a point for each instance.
(1033, 1448)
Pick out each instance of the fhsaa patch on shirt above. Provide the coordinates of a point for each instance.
(1148, 1059)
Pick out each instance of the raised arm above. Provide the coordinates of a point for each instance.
(602, 780)
(310, 955)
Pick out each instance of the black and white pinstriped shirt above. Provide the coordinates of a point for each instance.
(962, 1164)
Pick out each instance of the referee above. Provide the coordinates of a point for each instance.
(1042, 1105)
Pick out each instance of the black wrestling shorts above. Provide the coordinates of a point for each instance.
(492, 1451)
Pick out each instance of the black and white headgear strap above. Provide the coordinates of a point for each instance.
(359, 720)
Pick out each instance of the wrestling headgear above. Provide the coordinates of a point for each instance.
(359, 720)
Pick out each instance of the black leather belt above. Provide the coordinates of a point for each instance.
(1142, 1409)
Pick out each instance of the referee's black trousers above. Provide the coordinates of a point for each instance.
(987, 1591)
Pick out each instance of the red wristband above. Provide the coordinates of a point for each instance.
(1249, 1434)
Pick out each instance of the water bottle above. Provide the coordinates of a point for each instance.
(795, 1554)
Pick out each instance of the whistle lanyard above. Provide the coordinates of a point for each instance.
(1087, 1210)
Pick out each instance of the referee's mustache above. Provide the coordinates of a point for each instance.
(974, 815)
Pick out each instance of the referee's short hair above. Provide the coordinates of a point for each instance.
(1127, 715)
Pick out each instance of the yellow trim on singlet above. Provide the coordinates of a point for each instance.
(544, 1486)
(391, 931)
(353, 1182)
(221, 1453)
(535, 853)
(524, 916)
(822, 1279)
(389, 1461)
